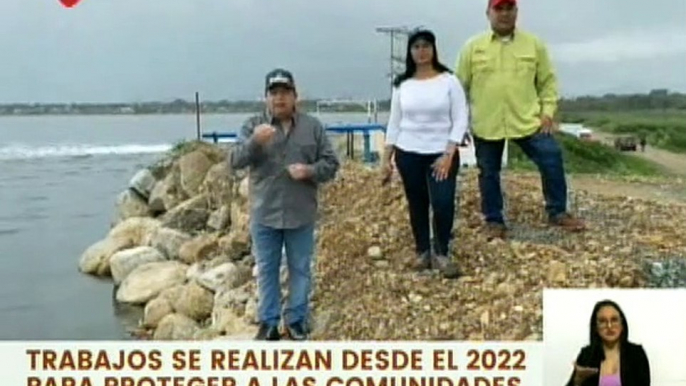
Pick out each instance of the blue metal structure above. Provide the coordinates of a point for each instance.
(348, 129)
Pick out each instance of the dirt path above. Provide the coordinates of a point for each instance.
(673, 192)
(674, 163)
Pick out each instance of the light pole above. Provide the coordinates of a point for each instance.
(397, 34)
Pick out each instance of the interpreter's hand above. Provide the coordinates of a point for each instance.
(300, 171)
(581, 373)
(263, 133)
(547, 124)
(442, 166)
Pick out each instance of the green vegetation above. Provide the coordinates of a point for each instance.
(589, 158)
(182, 147)
(663, 129)
(660, 116)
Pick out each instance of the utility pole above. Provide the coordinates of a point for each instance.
(398, 37)
(197, 116)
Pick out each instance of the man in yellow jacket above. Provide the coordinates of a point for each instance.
(512, 90)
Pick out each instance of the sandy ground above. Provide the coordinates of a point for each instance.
(668, 190)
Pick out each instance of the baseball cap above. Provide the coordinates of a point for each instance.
(421, 33)
(279, 77)
(495, 3)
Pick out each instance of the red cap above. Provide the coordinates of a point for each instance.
(495, 3)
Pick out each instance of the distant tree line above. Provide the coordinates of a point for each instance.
(661, 99)
(654, 100)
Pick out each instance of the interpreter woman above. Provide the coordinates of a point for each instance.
(427, 122)
(610, 359)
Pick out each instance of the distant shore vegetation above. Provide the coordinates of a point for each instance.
(655, 100)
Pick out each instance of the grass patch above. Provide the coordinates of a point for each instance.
(183, 146)
(589, 158)
(665, 129)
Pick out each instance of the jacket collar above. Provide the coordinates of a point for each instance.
(495, 36)
(273, 121)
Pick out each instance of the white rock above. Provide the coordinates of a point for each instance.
(375, 252)
(124, 262)
(200, 248)
(139, 230)
(205, 334)
(130, 204)
(226, 321)
(163, 196)
(218, 184)
(176, 327)
(172, 293)
(217, 278)
(195, 302)
(188, 216)
(251, 311)
(143, 182)
(95, 259)
(244, 188)
(169, 242)
(155, 310)
(194, 271)
(220, 218)
(193, 167)
(232, 298)
(148, 280)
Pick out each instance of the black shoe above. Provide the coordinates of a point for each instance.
(267, 332)
(420, 262)
(495, 230)
(297, 331)
(447, 267)
(423, 261)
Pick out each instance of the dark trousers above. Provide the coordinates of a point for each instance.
(544, 151)
(423, 191)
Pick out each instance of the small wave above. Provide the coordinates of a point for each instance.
(36, 198)
(16, 152)
(9, 232)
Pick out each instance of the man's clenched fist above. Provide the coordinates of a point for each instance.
(264, 133)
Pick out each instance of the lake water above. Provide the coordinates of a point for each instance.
(59, 179)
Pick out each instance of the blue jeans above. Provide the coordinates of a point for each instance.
(268, 246)
(544, 151)
(422, 191)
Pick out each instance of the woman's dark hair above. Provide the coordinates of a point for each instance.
(596, 340)
(410, 65)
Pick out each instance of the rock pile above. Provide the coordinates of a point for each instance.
(180, 247)
(367, 292)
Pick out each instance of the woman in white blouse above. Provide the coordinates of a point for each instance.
(428, 120)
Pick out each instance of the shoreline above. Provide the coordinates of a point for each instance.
(177, 253)
(188, 263)
(193, 113)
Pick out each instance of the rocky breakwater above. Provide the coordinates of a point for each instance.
(179, 248)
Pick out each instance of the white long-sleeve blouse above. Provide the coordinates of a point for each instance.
(427, 113)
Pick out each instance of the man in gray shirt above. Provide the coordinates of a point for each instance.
(288, 155)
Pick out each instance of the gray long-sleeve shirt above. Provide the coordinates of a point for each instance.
(277, 200)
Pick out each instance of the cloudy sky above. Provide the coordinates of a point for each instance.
(133, 50)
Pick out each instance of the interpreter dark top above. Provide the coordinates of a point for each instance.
(634, 367)
(277, 200)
